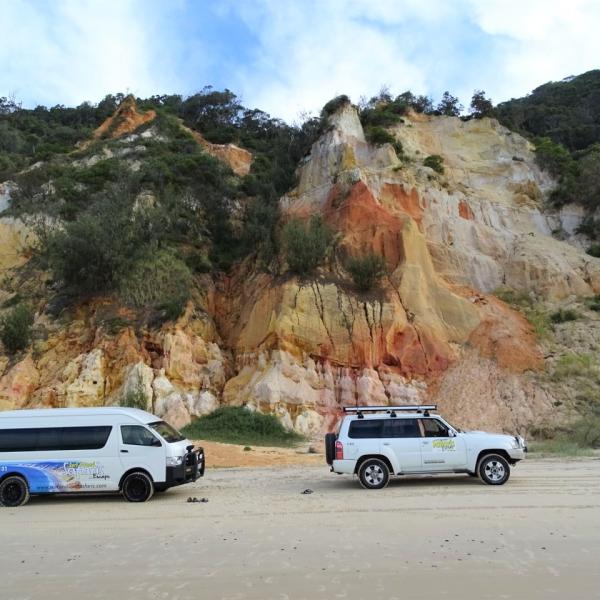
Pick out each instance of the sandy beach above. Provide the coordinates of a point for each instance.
(259, 537)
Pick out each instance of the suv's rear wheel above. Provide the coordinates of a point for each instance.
(494, 469)
(137, 487)
(373, 474)
(14, 491)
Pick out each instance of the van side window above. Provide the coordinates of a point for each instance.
(48, 439)
(136, 435)
(401, 428)
(434, 428)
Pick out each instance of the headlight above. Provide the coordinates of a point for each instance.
(174, 461)
(518, 442)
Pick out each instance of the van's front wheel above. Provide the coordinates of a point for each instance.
(137, 487)
(14, 491)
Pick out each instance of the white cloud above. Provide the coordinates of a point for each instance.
(547, 40)
(310, 51)
(298, 53)
(73, 50)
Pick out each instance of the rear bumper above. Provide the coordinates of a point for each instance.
(192, 468)
(343, 466)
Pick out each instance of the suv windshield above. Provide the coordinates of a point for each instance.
(168, 433)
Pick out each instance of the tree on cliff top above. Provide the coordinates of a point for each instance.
(480, 105)
(449, 105)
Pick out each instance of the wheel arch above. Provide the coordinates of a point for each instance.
(134, 470)
(14, 474)
(501, 452)
(381, 457)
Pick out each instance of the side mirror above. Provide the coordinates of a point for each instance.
(451, 433)
(156, 443)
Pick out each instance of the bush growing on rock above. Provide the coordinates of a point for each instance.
(379, 136)
(306, 244)
(563, 316)
(366, 271)
(553, 157)
(435, 162)
(15, 329)
(382, 111)
(159, 280)
(334, 105)
(238, 425)
(91, 253)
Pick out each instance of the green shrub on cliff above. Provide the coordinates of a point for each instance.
(366, 271)
(15, 329)
(306, 244)
(159, 280)
(334, 105)
(435, 162)
(378, 136)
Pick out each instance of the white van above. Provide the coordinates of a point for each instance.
(108, 449)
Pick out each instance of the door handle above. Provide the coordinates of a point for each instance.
(385, 444)
(124, 450)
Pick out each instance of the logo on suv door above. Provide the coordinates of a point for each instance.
(444, 445)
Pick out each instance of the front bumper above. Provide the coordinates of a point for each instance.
(518, 453)
(194, 463)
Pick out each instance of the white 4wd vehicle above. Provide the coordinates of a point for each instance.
(375, 442)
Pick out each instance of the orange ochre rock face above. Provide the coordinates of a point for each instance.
(127, 119)
(507, 337)
(238, 159)
(464, 211)
(367, 226)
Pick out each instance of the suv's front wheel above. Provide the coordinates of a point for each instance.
(373, 474)
(494, 469)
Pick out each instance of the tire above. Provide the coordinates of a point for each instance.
(493, 469)
(14, 491)
(137, 487)
(330, 440)
(373, 474)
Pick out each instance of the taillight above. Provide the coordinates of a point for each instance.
(339, 451)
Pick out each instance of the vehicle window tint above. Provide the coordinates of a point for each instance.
(367, 428)
(434, 428)
(82, 438)
(401, 428)
(168, 433)
(136, 435)
(45, 439)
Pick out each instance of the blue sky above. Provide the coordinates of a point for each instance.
(291, 56)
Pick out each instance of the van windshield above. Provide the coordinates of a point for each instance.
(166, 432)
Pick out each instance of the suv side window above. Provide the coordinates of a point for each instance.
(366, 428)
(401, 428)
(434, 428)
(136, 435)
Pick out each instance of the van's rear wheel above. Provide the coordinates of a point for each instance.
(373, 474)
(137, 487)
(14, 491)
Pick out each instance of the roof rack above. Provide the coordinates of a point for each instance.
(419, 408)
